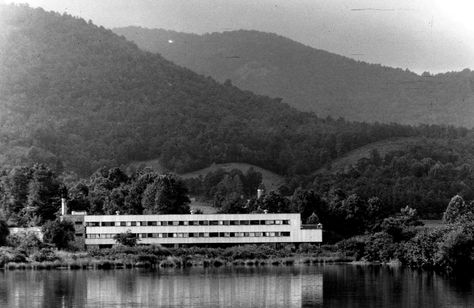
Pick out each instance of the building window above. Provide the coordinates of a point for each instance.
(234, 222)
(133, 223)
(194, 223)
(93, 224)
(201, 234)
(108, 224)
(255, 222)
(286, 222)
(213, 234)
(285, 234)
(226, 222)
(79, 234)
(232, 234)
(181, 223)
(151, 223)
(123, 224)
(246, 234)
(213, 222)
(203, 222)
(244, 222)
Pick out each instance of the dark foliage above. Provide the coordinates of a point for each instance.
(126, 239)
(78, 97)
(4, 232)
(423, 177)
(58, 233)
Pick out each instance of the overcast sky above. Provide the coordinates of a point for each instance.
(421, 35)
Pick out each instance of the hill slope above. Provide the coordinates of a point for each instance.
(79, 97)
(315, 80)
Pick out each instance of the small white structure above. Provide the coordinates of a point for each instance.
(202, 229)
(34, 230)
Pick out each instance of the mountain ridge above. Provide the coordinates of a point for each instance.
(315, 80)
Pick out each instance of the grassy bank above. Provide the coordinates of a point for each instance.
(158, 257)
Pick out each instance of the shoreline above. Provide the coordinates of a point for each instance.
(171, 262)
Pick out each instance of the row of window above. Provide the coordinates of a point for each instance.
(195, 234)
(186, 223)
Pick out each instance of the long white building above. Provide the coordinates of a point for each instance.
(197, 229)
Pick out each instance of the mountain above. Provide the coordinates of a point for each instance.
(79, 97)
(310, 79)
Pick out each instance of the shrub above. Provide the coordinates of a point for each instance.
(456, 251)
(352, 247)
(380, 247)
(27, 242)
(58, 233)
(421, 250)
(45, 255)
(126, 239)
(9, 254)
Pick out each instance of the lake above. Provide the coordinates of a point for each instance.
(297, 286)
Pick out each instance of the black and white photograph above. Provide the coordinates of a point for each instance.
(236, 153)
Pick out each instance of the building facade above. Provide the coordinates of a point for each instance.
(199, 229)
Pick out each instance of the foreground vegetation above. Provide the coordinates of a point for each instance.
(157, 256)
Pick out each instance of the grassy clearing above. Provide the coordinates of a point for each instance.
(383, 147)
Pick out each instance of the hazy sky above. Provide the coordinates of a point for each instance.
(422, 35)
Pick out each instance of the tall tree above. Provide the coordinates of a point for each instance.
(166, 195)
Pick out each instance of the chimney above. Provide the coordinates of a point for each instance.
(259, 193)
(63, 207)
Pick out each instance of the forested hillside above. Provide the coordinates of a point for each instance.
(315, 80)
(78, 97)
(423, 176)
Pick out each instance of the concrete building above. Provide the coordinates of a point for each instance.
(188, 230)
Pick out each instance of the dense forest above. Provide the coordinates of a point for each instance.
(315, 80)
(78, 97)
(424, 176)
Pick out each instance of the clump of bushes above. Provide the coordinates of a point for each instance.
(45, 255)
(11, 255)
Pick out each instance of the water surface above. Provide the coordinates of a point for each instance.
(298, 286)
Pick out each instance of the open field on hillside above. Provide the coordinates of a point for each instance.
(383, 147)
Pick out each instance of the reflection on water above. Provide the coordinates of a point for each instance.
(301, 286)
(197, 287)
(382, 286)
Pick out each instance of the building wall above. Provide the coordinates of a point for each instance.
(200, 229)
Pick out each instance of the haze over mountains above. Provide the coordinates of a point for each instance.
(80, 97)
(315, 80)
